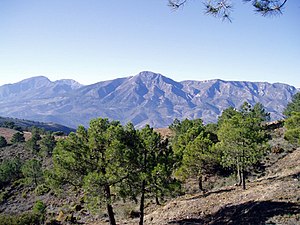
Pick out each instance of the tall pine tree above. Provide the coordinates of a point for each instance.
(96, 161)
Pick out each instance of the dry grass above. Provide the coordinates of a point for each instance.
(165, 132)
(8, 133)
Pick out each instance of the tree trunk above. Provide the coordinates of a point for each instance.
(156, 192)
(239, 176)
(109, 207)
(200, 183)
(157, 200)
(243, 180)
(243, 171)
(142, 203)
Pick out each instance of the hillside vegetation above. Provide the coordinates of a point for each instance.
(271, 199)
(22, 124)
(241, 170)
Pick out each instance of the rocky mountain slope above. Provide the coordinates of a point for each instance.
(145, 98)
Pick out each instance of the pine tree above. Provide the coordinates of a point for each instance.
(9, 171)
(242, 141)
(3, 142)
(197, 159)
(227, 114)
(17, 138)
(32, 170)
(32, 144)
(151, 165)
(292, 125)
(95, 160)
(185, 132)
(155, 163)
(47, 144)
(293, 106)
(193, 148)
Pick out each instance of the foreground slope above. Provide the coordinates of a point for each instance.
(272, 195)
(271, 199)
(146, 98)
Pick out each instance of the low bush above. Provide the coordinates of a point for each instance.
(41, 189)
(39, 207)
(21, 219)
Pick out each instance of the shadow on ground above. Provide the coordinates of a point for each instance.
(246, 213)
(210, 192)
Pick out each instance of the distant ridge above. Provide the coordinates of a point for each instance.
(146, 98)
(24, 124)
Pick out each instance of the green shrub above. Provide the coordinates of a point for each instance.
(24, 194)
(39, 207)
(41, 189)
(21, 219)
(7, 220)
(28, 218)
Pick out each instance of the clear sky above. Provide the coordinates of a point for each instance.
(96, 40)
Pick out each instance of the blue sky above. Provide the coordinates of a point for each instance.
(96, 40)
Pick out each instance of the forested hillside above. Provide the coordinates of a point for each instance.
(240, 170)
(22, 124)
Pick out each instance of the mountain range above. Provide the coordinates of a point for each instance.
(146, 98)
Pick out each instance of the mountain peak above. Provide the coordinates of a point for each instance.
(39, 86)
(148, 75)
(69, 82)
(36, 80)
(151, 78)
